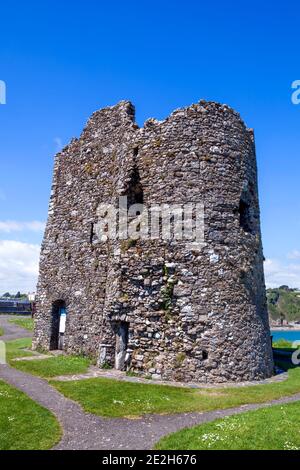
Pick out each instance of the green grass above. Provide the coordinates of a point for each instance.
(25, 425)
(1, 331)
(26, 323)
(282, 344)
(107, 397)
(274, 428)
(16, 349)
(54, 366)
(50, 367)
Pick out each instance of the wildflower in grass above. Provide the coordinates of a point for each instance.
(118, 402)
(290, 446)
(211, 438)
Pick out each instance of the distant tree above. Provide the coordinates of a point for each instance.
(18, 295)
(282, 318)
(273, 296)
(284, 287)
(7, 294)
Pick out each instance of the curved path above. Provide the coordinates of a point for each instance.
(12, 331)
(86, 431)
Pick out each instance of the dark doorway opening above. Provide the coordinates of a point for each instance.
(58, 321)
(121, 332)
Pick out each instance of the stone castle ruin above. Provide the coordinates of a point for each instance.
(163, 308)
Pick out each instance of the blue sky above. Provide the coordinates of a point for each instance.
(63, 60)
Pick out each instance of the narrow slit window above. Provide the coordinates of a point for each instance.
(135, 193)
(245, 217)
(92, 233)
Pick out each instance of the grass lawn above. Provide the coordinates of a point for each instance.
(51, 367)
(54, 366)
(274, 428)
(1, 331)
(15, 349)
(26, 323)
(24, 424)
(283, 344)
(107, 397)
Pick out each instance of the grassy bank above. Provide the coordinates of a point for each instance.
(54, 366)
(113, 398)
(51, 367)
(284, 303)
(283, 344)
(26, 323)
(25, 425)
(274, 428)
(16, 348)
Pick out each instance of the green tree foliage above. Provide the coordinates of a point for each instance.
(284, 303)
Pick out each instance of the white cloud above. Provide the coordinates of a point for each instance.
(9, 226)
(294, 254)
(278, 273)
(18, 266)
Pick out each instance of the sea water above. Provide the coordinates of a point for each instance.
(293, 335)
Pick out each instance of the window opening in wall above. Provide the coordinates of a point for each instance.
(204, 355)
(245, 218)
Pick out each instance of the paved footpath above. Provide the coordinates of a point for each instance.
(86, 431)
(12, 331)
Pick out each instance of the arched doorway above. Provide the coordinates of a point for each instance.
(58, 325)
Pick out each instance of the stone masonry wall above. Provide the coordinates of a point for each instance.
(193, 315)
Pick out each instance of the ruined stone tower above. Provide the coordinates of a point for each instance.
(158, 307)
